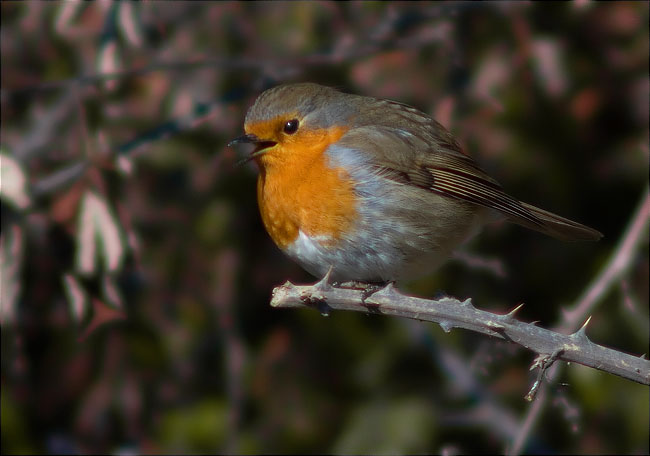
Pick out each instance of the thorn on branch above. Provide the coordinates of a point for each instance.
(501, 330)
(288, 285)
(495, 326)
(446, 325)
(510, 316)
(581, 334)
(372, 291)
(388, 292)
(324, 284)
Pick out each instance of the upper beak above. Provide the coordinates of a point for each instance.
(245, 139)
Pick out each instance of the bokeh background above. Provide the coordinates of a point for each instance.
(136, 274)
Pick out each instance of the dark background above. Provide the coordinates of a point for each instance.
(176, 349)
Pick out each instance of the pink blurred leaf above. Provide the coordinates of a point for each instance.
(129, 24)
(492, 75)
(13, 183)
(77, 297)
(125, 165)
(98, 225)
(108, 62)
(549, 67)
(112, 292)
(11, 259)
(67, 11)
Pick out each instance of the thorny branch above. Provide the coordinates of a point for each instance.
(619, 263)
(451, 313)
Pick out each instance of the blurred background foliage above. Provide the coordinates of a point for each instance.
(136, 274)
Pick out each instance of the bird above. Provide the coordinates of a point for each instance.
(372, 190)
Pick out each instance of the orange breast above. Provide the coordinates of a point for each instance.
(297, 190)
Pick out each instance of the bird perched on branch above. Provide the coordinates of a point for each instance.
(375, 189)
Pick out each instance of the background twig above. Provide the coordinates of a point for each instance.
(620, 261)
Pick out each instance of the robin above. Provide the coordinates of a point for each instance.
(373, 188)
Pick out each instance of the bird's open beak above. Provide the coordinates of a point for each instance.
(260, 146)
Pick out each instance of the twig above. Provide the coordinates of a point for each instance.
(227, 267)
(488, 411)
(491, 265)
(382, 40)
(221, 63)
(543, 362)
(616, 267)
(45, 126)
(620, 261)
(59, 179)
(71, 172)
(452, 313)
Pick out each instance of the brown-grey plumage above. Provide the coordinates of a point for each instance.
(422, 153)
(412, 194)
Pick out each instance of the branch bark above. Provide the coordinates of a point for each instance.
(451, 313)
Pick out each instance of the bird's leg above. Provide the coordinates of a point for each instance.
(367, 288)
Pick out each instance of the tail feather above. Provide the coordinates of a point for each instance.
(558, 227)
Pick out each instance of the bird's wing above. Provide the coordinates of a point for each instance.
(435, 162)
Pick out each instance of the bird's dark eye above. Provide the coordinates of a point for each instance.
(291, 126)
